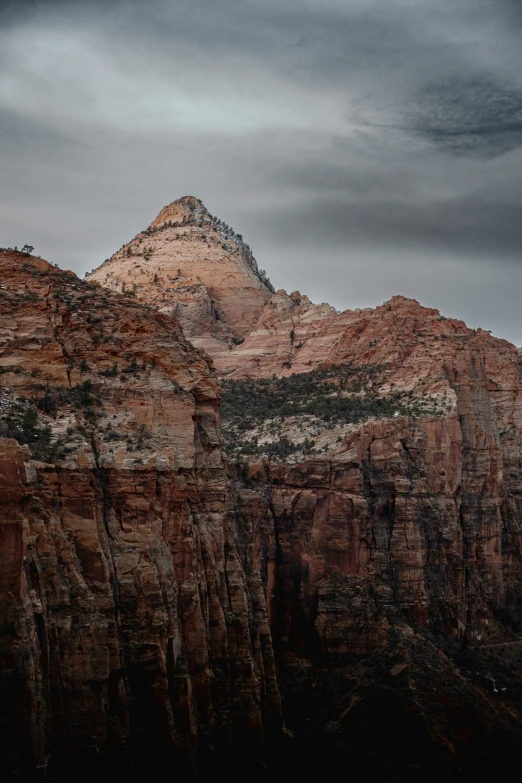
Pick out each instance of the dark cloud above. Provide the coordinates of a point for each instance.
(363, 148)
(470, 116)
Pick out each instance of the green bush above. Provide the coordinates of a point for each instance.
(132, 367)
(56, 397)
(21, 423)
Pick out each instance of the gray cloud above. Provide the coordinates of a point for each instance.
(470, 116)
(437, 226)
(363, 148)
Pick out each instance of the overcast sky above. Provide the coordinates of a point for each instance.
(364, 148)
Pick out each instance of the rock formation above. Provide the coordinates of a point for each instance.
(356, 556)
(190, 264)
(393, 551)
(386, 527)
(132, 639)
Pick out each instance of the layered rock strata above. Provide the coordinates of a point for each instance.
(391, 551)
(377, 571)
(132, 639)
(393, 554)
(192, 265)
(394, 580)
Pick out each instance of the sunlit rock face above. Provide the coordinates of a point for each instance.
(131, 636)
(190, 264)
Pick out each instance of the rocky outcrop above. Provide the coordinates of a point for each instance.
(391, 554)
(410, 341)
(132, 640)
(190, 264)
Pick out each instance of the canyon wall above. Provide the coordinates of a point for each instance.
(390, 548)
(353, 602)
(393, 556)
(393, 574)
(131, 637)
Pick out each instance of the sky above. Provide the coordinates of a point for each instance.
(364, 148)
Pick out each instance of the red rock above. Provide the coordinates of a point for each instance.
(403, 533)
(407, 526)
(131, 635)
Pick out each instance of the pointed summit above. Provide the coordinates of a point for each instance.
(190, 264)
(183, 209)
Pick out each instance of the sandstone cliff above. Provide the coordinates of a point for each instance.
(393, 553)
(131, 637)
(376, 489)
(190, 264)
(361, 555)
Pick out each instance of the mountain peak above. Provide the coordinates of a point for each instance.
(186, 207)
(190, 264)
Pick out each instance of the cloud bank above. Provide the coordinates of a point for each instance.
(364, 149)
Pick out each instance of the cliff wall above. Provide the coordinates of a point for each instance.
(131, 637)
(375, 489)
(393, 567)
(353, 564)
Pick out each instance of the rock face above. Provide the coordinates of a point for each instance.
(293, 335)
(190, 264)
(132, 639)
(394, 562)
(391, 554)
(160, 602)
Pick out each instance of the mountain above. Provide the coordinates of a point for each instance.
(329, 537)
(376, 454)
(193, 266)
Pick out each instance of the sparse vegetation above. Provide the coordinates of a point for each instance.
(20, 421)
(54, 398)
(330, 397)
(132, 366)
(110, 373)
